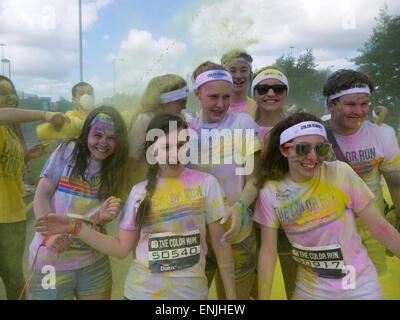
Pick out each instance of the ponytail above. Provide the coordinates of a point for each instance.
(145, 205)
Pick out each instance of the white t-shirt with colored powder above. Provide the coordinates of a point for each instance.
(371, 152)
(77, 197)
(231, 154)
(319, 213)
(170, 255)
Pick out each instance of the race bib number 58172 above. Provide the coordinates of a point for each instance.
(170, 252)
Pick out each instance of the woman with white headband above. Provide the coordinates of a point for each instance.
(166, 93)
(316, 202)
(239, 64)
(213, 87)
(269, 89)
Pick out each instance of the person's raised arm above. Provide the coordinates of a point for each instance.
(118, 247)
(9, 116)
(267, 261)
(42, 199)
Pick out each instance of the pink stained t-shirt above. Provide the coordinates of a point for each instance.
(320, 213)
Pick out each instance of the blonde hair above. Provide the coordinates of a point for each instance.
(234, 54)
(206, 66)
(150, 100)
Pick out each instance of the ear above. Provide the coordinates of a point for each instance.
(197, 93)
(330, 105)
(284, 151)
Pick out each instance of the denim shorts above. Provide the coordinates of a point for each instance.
(90, 280)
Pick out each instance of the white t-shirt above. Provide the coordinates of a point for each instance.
(317, 216)
(170, 255)
(371, 152)
(232, 154)
(77, 197)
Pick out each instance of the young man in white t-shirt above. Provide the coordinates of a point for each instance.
(363, 145)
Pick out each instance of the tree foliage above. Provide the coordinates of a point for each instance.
(305, 81)
(380, 60)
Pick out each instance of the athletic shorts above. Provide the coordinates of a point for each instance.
(245, 255)
(91, 280)
(376, 251)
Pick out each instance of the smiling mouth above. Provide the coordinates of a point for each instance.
(309, 166)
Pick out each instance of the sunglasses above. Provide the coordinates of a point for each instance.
(304, 148)
(264, 88)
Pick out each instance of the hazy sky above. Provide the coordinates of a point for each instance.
(159, 36)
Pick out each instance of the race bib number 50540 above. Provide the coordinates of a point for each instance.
(170, 252)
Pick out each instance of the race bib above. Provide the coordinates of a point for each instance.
(170, 252)
(325, 261)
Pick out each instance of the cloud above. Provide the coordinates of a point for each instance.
(269, 28)
(142, 57)
(41, 38)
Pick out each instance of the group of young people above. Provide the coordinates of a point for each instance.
(190, 189)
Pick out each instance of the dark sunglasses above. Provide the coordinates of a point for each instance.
(264, 88)
(304, 148)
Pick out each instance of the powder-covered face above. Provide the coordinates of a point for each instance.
(84, 91)
(303, 168)
(170, 152)
(101, 140)
(240, 72)
(349, 112)
(8, 96)
(215, 99)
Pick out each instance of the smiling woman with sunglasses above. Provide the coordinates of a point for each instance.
(270, 88)
(316, 202)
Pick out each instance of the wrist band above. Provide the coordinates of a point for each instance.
(77, 227)
(243, 214)
(226, 265)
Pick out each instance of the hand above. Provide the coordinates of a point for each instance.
(234, 214)
(36, 151)
(110, 209)
(54, 224)
(58, 243)
(57, 119)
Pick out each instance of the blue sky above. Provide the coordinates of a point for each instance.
(157, 37)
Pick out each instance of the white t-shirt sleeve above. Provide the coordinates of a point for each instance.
(56, 163)
(391, 152)
(127, 221)
(264, 212)
(214, 205)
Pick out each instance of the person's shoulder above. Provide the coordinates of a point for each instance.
(75, 113)
(243, 120)
(336, 168)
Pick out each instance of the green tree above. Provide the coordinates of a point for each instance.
(305, 81)
(380, 60)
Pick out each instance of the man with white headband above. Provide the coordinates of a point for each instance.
(316, 202)
(363, 145)
(239, 65)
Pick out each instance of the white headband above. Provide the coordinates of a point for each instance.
(350, 91)
(239, 59)
(212, 75)
(174, 95)
(302, 129)
(270, 74)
